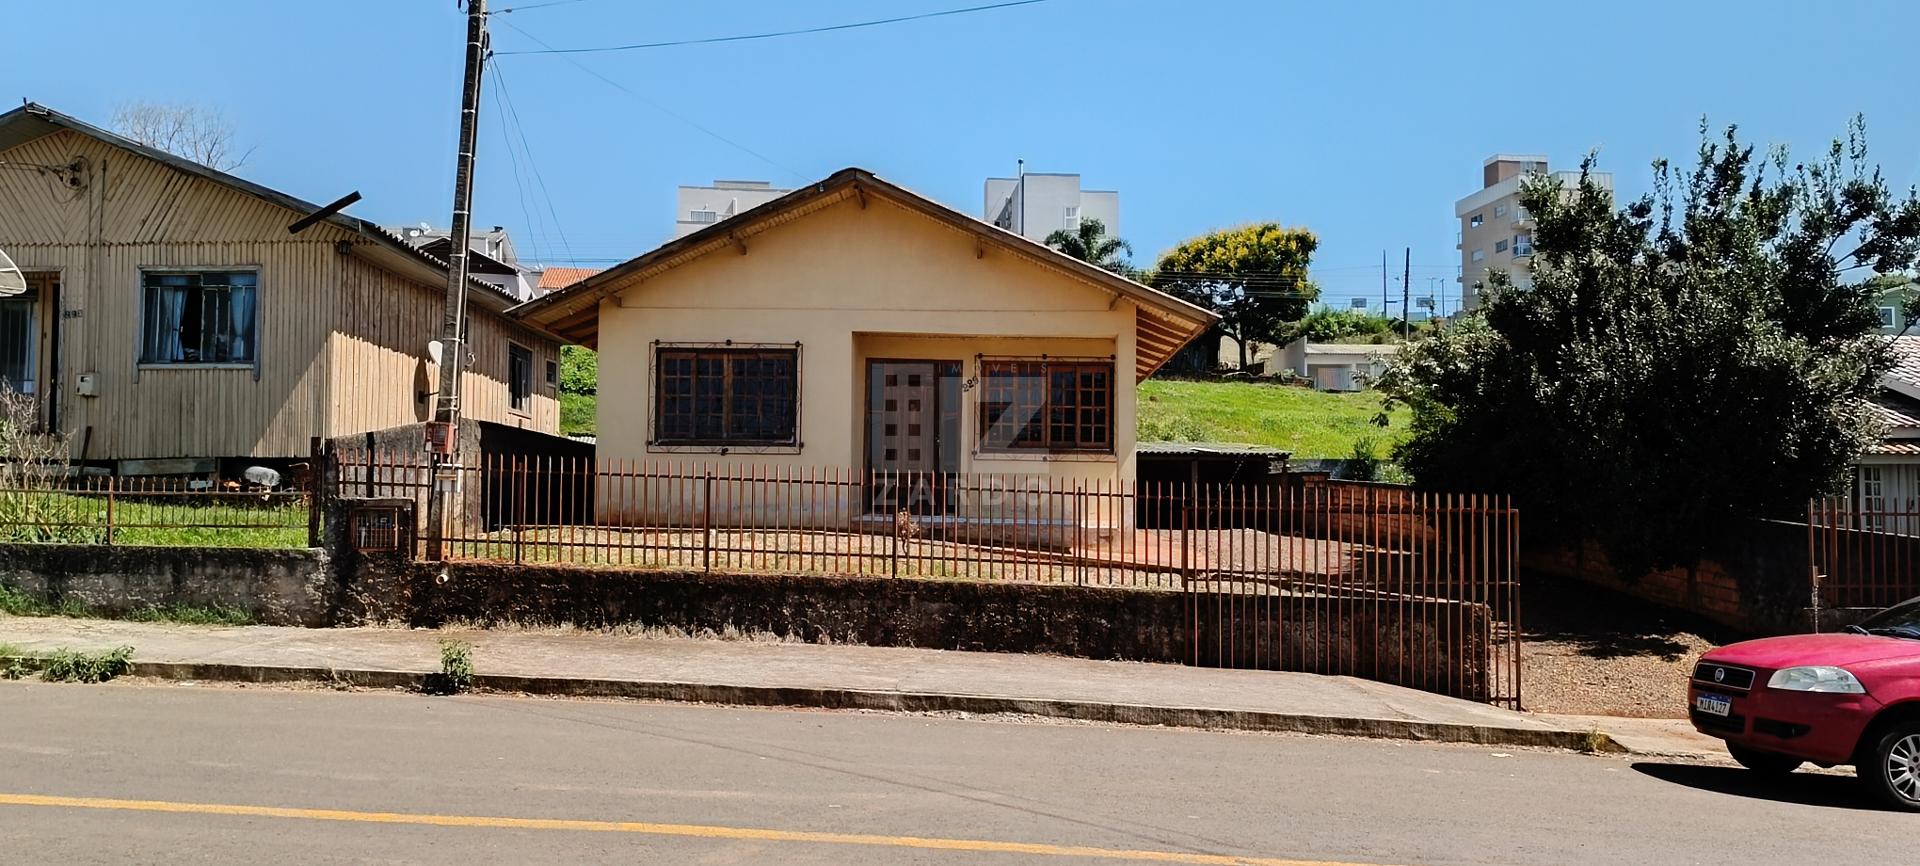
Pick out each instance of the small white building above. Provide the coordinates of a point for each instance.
(1037, 204)
(700, 206)
(1336, 366)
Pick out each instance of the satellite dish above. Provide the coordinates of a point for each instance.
(434, 351)
(12, 282)
(262, 476)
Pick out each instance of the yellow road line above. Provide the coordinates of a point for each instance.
(699, 831)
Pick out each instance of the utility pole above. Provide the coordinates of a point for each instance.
(441, 433)
(1406, 295)
(1384, 304)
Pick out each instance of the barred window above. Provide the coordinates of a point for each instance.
(519, 377)
(198, 318)
(1046, 405)
(727, 396)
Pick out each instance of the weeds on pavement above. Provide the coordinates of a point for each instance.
(73, 666)
(456, 669)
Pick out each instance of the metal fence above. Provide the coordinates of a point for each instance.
(1864, 552)
(41, 507)
(1365, 580)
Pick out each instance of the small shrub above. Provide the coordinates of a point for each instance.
(72, 666)
(456, 668)
(1365, 462)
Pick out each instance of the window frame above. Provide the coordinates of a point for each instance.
(985, 418)
(1889, 316)
(141, 363)
(1478, 255)
(694, 215)
(657, 441)
(524, 404)
(1477, 220)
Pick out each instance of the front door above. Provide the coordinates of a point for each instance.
(913, 425)
(27, 325)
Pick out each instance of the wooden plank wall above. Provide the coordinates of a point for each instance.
(337, 335)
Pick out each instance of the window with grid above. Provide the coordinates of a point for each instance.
(1046, 405)
(519, 377)
(727, 396)
(204, 317)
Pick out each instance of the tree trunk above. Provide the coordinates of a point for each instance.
(1242, 343)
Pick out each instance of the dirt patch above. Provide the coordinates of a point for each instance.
(1590, 651)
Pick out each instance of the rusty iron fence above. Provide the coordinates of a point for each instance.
(1366, 580)
(47, 508)
(1864, 552)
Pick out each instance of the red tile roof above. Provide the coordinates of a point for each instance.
(552, 279)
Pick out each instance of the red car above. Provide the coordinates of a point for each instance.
(1851, 697)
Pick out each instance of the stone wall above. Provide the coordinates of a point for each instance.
(1395, 643)
(277, 587)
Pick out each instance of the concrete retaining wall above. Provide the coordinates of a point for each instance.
(278, 587)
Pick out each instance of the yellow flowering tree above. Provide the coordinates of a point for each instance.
(1254, 276)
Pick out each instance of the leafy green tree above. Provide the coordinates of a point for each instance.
(1676, 367)
(1326, 325)
(1253, 276)
(1090, 243)
(579, 370)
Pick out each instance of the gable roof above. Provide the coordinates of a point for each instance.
(33, 121)
(560, 278)
(1164, 325)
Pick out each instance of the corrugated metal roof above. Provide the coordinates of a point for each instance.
(1237, 449)
(32, 120)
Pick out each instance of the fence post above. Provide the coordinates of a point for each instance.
(517, 474)
(370, 465)
(706, 525)
(314, 484)
(110, 484)
(1079, 534)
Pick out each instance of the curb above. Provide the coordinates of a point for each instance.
(860, 699)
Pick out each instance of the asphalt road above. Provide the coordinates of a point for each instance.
(128, 773)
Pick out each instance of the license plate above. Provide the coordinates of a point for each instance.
(1713, 704)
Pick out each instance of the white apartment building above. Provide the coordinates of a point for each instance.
(1496, 232)
(702, 206)
(1037, 204)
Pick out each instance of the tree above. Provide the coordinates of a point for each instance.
(1677, 367)
(193, 132)
(579, 370)
(1090, 243)
(1254, 277)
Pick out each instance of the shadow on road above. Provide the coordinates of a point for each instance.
(1807, 789)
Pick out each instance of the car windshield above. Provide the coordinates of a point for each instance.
(1901, 620)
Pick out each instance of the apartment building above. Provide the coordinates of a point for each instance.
(1496, 232)
(702, 206)
(1037, 204)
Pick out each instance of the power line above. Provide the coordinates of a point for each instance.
(638, 46)
(513, 159)
(536, 6)
(660, 108)
(533, 163)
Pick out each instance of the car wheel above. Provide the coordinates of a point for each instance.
(1893, 769)
(1770, 763)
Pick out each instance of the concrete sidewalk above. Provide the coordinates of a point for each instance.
(590, 664)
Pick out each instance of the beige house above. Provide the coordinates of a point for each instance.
(178, 315)
(852, 325)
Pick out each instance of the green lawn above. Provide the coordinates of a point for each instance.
(577, 414)
(1307, 422)
(160, 521)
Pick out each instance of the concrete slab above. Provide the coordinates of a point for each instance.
(811, 674)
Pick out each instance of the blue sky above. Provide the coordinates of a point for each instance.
(1362, 121)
